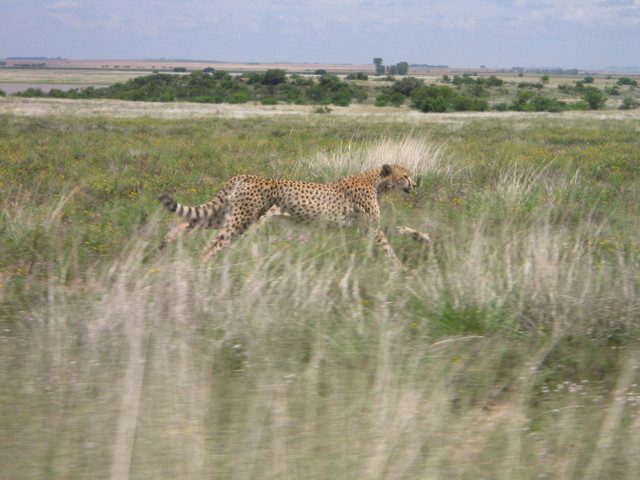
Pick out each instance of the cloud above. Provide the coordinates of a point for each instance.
(616, 3)
(64, 5)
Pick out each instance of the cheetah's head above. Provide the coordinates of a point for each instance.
(395, 177)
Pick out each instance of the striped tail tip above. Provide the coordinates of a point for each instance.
(168, 202)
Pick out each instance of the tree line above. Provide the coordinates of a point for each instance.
(457, 93)
(270, 87)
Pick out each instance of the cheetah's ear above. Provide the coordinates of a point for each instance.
(385, 171)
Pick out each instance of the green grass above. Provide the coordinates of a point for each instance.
(507, 349)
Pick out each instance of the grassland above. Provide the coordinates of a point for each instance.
(507, 349)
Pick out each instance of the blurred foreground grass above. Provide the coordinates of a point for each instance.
(507, 350)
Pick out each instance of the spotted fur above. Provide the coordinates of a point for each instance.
(245, 199)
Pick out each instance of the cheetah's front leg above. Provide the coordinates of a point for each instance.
(383, 243)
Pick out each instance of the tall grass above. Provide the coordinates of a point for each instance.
(508, 349)
(419, 155)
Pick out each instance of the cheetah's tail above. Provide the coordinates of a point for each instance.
(189, 212)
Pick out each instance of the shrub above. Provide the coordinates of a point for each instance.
(357, 76)
(31, 92)
(321, 109)
(614, 90)
(179, 69)
(300, 81)
(240, 97)
(3, 93)
(407, 85)
(528, 101)
(542, 103)
(463, 103)
(536, 85)
(433, 98)
(320, 71)
(627, 81)
(579, 105)
(494, 81)
(566, 88)
(594, 98)
(57, 93)
(629, 103)
(440, 98)
(390, 97)
(588, 79)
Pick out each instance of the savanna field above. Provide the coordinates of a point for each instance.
(507, 347)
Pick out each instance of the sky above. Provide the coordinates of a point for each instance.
(586, 34)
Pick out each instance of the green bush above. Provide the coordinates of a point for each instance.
(390, 97)
(527, 101)
(494, 81)
(31, 92)
(357, 76)
(501, 107)
(536, 85)
(594, 97)
(629, 103)
(627, 81)
(440, 98)
(407, 85)
(614, 90)
(433, 98)
(463, 103)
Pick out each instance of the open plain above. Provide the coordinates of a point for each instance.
(508, 348)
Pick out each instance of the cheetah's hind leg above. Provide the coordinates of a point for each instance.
(409, 232)
(175, 232)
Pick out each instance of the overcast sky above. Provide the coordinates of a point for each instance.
(500, 33)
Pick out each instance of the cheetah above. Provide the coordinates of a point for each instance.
(247, 199)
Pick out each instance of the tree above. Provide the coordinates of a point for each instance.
(274, 76)
(402, 68)
(379, 66)
(544, 79)
(588, 79)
